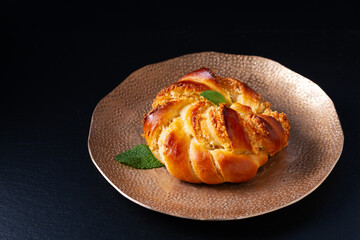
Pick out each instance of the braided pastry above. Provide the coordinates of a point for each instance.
(199, 141)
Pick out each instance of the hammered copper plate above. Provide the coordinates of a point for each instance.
(316, 140)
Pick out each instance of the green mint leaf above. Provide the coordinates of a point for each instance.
(139, 157)
(213, 96)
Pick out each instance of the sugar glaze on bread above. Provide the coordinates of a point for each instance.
(200, 142)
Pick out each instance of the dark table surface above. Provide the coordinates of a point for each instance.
(59, 63)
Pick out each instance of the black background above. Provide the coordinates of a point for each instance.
(59, 59)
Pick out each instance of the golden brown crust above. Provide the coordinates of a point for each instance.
(237, 135)
(205, 76)
(179, 90)
(204, 165)
(237, 167)
(199, 141)
(195, 121)
(157, 118)
(176, 154)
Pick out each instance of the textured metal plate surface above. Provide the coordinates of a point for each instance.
(316, 140)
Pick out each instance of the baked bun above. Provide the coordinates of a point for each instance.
(200, 142)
